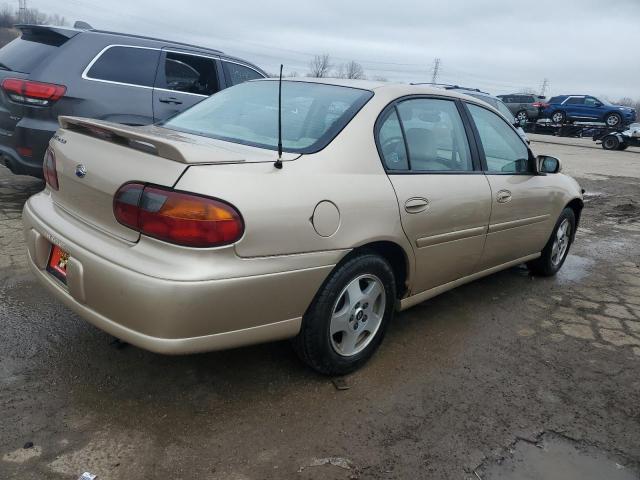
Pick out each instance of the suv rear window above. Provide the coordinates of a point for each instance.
(237, 73)
(27, 52)
(130, 65)
(312, 114)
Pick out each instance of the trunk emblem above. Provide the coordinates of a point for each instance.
(81, 170)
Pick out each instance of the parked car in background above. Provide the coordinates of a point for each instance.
(496, 103)
(193, 235)
(524, 106)
(569, 108)
(129, 79)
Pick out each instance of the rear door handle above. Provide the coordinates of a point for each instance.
(503, 196)
(416, 205)
(172, 100)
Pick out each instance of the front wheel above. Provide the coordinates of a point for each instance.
(557, 248)
(348, 318)
(613, 120)
(522, 116)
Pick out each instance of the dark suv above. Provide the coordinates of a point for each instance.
(51, 71)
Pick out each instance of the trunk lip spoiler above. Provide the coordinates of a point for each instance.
(143, 137)
(163, 148)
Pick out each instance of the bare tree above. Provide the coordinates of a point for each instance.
(34, 16)
(7, 16)
(320, 66)
(629, 102)
(351, 69)
(380, 78)
(57, 20)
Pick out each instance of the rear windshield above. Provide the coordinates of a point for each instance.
(27, 52)
(312, 114)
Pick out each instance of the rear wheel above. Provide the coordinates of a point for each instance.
(347, 320)
(610, 142)
(558, 117)
(557, 248)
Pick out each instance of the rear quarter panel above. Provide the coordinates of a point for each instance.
(278, 205)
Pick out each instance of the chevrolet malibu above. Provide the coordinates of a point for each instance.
(195, 235)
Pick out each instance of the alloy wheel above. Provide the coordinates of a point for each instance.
(613, 120)
(357, 315)
(561, 242)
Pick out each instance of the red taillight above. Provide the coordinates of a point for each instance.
(32, 93)
(49, 169)
(540, 105)
(177, 217)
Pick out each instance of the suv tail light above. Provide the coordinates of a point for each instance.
(540, 104)
(49, 169)
(33, 93)
(177, 217)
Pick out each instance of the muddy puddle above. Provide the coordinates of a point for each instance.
(557, 458)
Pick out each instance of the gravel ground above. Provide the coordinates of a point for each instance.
(459, 382)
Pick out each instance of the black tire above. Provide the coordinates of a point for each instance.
(610, 142)
(544, 265)
(314, 343)
(622, 146)
(613, 120)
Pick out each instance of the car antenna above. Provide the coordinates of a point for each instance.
(278, 162)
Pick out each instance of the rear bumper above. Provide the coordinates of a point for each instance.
(32, 134)
(171, 316)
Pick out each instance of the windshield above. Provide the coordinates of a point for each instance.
(312, 114)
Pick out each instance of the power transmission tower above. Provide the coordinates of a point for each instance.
(435, 70)
(544, 87)
(22, 11)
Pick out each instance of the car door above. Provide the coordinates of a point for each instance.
(521, 202)
(592, 108)
(574, 107)
(443, 197)
(183, 79)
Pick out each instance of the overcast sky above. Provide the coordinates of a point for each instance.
(581, 46)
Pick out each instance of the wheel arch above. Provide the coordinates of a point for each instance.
(394, 254)
(577, 204)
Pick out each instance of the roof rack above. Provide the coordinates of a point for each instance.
(143, 37)
(448, 86)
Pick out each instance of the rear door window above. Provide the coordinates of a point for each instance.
(128, 65)
(237, 73)
(435, 136)
(575, 101)
(189, 74)
(30, 50)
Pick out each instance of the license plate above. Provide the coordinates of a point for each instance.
(57, 265)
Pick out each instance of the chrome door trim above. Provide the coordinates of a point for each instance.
(499, 227)
(450, 236)
(100, 53)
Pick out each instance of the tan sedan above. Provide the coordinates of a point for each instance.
(190, 236)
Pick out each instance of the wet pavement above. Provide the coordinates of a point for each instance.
(510, 376)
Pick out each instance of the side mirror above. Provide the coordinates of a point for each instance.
(598, 104)
(547, 164)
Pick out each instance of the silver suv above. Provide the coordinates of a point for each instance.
(524, 106)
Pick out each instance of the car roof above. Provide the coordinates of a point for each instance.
(71, 32)
(391, 89)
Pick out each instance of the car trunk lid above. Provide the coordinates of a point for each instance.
(95, 158)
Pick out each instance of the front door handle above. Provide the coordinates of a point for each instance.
(416, 205)
(172, 100)
(503, 196)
